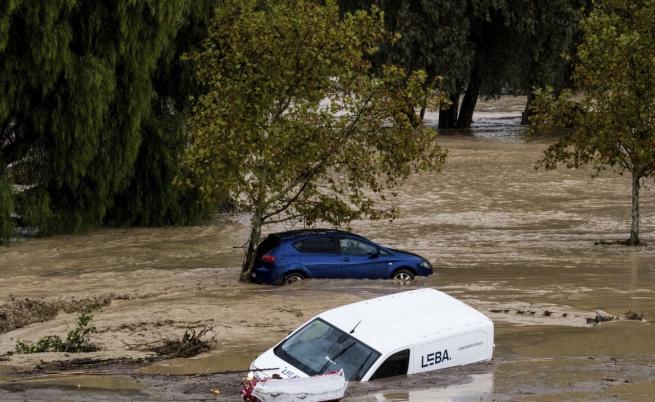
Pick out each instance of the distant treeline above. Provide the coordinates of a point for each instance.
(96, 95)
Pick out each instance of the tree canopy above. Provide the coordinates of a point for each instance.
(293, 125)
(612, 125)
(482, 48)
(85, 85)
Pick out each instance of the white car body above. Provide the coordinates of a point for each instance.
(438, 330)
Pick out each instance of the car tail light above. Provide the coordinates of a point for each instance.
(268, 259)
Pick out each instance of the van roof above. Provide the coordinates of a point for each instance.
(392, 322)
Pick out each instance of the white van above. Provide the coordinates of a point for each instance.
(404, 333)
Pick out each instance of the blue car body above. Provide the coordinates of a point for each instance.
(324, 253)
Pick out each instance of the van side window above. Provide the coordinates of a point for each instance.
(396, 364)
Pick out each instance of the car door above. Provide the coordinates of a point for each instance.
(320, 256)
(362, 260)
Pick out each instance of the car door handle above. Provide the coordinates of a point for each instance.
(346, 259)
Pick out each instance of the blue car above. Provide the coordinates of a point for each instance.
(287, 257)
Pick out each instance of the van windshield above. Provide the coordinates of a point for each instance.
(320, 347)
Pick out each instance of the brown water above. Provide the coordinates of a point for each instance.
(502, 236)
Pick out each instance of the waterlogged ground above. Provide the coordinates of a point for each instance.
(514, 242)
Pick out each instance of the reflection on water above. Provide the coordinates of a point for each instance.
(479, 388)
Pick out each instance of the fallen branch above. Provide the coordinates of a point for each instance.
(189, 344)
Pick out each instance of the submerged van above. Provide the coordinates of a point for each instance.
(399, 334)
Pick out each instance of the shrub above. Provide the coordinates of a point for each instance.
(78, 339)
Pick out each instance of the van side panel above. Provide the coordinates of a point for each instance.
(455, 350)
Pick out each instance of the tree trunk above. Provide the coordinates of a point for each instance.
(634, 228)
(448, 117)
(253, 241)
(527, 113)
(468, 104)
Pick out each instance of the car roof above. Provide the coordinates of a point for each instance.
(311, 232)
(396, 321)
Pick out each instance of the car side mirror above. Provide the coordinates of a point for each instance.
(374, 255)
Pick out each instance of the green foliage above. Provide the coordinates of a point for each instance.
(612, 123)
(430, 35)
(486, 47)
(78, 339)
(78, 93)
(153, 196)
(293, 125)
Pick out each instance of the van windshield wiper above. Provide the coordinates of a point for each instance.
(360, 367)
(333, 360)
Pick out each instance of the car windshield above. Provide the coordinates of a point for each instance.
(320, 347)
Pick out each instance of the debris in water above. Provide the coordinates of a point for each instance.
(601, 316)
(614, 380)
(631, 315)
(190, 344)
(297, 312)
(19, 312)
(330, 386)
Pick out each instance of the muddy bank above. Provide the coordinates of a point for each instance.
(19, 312)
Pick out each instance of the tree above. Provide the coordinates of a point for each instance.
(613, 124)
(6, 209)
(517, 45)
(80, 107)
(293, 125)
(482, 48)
(548, 48)
(432, 36)
(152, 197)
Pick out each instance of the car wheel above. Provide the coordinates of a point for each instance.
(403, 275)
(291, 278)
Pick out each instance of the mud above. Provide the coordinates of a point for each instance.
(17, 313)
(505, 238)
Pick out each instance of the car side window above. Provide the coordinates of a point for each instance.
(396, 364)
(356, 247)
(317, 245)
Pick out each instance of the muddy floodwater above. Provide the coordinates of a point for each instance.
(514, 242)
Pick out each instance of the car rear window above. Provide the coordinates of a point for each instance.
(317, 245)
(268, 244)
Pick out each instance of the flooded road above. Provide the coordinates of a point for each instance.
(514, 242)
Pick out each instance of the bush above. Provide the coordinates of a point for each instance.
(78, 340)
